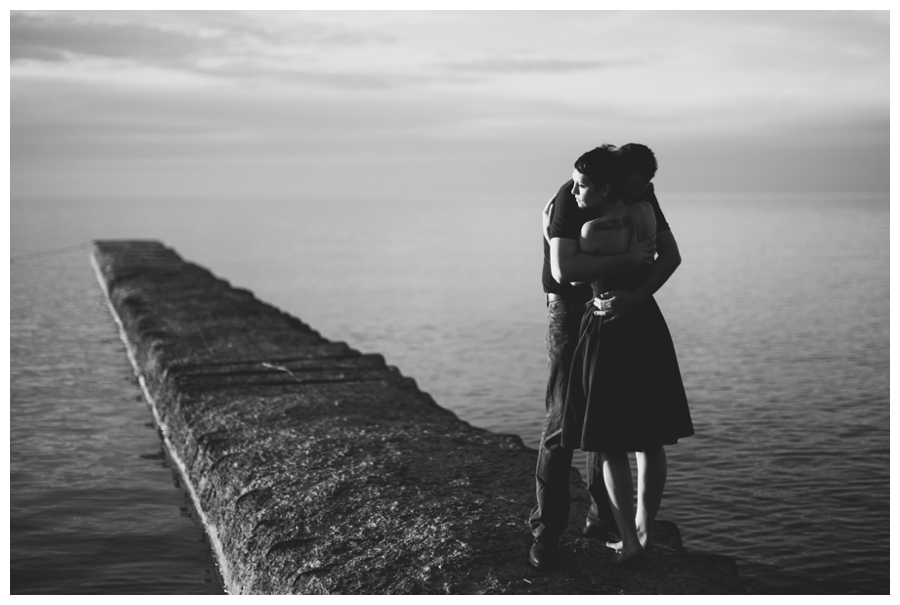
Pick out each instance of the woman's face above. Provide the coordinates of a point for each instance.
(584, 190)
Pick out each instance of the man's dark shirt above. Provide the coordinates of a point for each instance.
(567, 221)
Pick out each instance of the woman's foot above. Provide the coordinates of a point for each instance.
(627, 556)
(646, 544)
(644, 539)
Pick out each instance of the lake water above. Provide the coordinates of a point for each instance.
(779, 313)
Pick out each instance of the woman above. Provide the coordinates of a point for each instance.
(625, 391)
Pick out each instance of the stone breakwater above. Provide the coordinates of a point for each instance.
(316, 469)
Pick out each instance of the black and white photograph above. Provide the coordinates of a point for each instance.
(466, 299)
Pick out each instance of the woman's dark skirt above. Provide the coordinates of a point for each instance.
(625, 391)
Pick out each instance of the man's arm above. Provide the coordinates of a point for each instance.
(663, 267)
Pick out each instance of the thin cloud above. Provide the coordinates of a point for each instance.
(346, 79)
(213, 44)
(507, 65)
(60, 37)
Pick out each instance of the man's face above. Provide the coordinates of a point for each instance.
(635, 184)
(583, 189)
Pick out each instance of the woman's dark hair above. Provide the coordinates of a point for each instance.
(638, 157)
(602, 165)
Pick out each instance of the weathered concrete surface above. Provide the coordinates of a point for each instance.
(317, 469)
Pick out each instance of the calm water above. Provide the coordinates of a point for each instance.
(94, 504)
(779, 312)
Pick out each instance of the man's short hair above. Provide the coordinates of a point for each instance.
(638, 157)
(601, 165)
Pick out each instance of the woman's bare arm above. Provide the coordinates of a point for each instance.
(569, 264)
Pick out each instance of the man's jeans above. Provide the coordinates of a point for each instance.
(550, 515)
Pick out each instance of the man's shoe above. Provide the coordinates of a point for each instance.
(602, 531)
(544, 552)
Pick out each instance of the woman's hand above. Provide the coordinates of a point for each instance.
(643, 251)
(547, 218)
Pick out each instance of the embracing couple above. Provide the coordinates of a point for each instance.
(614, 386)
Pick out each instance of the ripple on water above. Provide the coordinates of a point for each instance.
(93, 505)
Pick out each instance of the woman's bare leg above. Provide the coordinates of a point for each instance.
(620, 487)
(652, 469)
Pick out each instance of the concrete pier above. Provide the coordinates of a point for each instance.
(316, 469)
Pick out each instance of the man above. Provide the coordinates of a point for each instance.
(565, 305)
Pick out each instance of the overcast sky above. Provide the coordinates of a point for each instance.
(437, 104)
